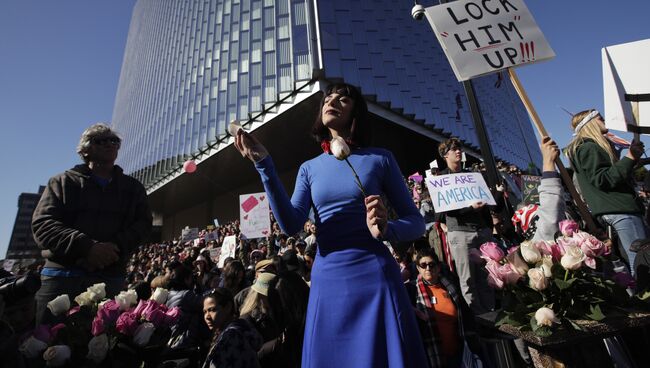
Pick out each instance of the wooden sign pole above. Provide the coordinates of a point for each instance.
(582, 208)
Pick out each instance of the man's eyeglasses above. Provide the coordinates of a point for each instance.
(429, 265)
(106, 140)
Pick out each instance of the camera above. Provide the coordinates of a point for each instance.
(417, 12)
(14, 288)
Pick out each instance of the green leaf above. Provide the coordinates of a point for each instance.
(544, 331)
(508, 319)
(595, 313)
(575, 326)
(563, 285)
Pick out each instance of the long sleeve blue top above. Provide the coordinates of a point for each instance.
(328, 185)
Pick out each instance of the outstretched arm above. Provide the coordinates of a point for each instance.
(290, 214)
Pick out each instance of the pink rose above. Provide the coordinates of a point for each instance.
(126, 323)
(97, 326)
(42, 333)
(568, 227)
(491, 251)
(590, 262)
(73, 310)
(172, 316)
(494, 280)
(156, 316)
(501, 275)
(55, 329)
(144, 306)
(590, 245)
(109, 312)
(517, 263)
(564, 243)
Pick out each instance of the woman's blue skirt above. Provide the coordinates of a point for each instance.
(359, 314)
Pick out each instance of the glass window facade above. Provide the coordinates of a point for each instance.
(192, 66)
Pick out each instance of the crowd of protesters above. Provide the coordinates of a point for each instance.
(250, 309)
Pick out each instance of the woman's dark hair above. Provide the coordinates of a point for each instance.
(233, 276)
(360, 125)
(223, 298)
(288, 297)
(426, 252)
(179, 276)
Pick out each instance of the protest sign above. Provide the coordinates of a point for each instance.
(481, 37)
(626, 86)
(454, 191)
(529, 184)
(254, 218)
(215, 253)
(228, 249)
(189, 233)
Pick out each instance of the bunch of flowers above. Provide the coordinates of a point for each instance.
(547, 283)
(122, 320)
(87, 332)
(66, 338)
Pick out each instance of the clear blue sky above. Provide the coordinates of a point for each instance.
(60, 63)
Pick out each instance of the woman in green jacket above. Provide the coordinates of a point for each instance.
(606, 181)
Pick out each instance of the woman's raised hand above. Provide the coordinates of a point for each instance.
(249, 146)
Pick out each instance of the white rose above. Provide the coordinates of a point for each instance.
(32, 347)
(339, 148)
(59, 305)
(536, 279)
(546, 264)
(98, 348)
(143, 334)
(99, 290)
(529, 252)
(545, 317)
(234, 127)
(86, 298)
(131, 297)
(160, 295)
(572, 258)
(56, 356)
(126, 299)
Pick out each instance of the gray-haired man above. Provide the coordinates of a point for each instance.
(88, 221)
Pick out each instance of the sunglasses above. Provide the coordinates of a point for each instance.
(429, 265)
(103, 141)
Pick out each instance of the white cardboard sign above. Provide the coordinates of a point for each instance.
(453, 191)
(228, 249)
(484, 36)
(626, 75)
(254, 215)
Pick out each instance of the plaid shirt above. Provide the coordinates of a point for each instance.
(430, 334)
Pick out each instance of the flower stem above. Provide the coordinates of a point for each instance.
(566, 274)
(356, 177)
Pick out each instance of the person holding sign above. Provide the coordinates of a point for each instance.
(359, 313)
(468, 228)
(606, 181)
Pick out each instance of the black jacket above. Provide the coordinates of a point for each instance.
(75, 212)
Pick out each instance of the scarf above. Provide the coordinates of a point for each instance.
(431, 335)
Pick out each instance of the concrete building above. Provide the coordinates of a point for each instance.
(190, 67)
(22, 244)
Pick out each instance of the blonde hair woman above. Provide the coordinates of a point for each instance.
(605, 180)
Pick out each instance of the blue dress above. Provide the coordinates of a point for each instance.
(359, 314)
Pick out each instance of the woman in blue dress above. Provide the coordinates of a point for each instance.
(359, 314)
